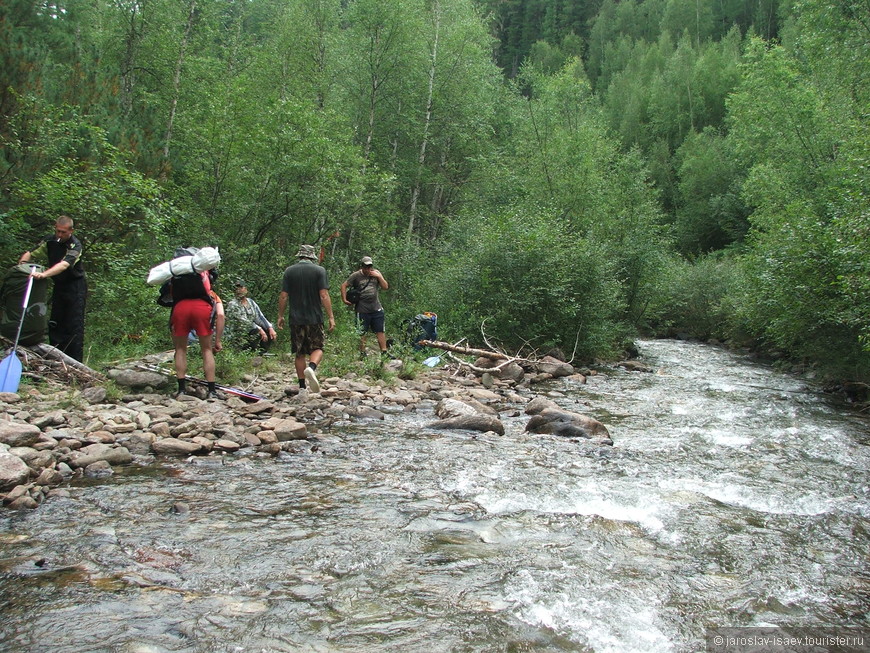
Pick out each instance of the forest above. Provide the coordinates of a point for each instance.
(568, 173)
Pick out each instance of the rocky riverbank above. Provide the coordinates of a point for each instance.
(48, 439)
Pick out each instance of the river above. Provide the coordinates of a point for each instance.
(734, 495)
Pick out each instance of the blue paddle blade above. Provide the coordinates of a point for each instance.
(10, 373)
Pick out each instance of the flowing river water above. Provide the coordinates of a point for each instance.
(734, 495)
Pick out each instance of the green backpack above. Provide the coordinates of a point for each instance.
(12, 290)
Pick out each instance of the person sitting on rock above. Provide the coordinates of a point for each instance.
(246, 324)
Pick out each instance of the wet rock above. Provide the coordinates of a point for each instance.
(25, 502)
(17, 434)
(450, 407)
(538, 404)
(634, 366)
(366, 412)
(477, 422)
(99, 469)
(568, 424)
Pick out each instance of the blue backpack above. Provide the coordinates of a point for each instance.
(423, 326)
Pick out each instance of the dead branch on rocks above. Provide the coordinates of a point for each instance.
(48, 363)
(468, 351)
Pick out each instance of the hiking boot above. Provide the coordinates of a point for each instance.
(212, 395)
(311, 380)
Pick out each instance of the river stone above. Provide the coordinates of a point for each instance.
(13, 470)
(10, 397)
(476, 422)
(95, 394)
(104, 437)
(54, 418)
(568, 424)
(634, 366)
(17, 434)
(33, 458)
(139, 378)
(510, 372)
(255, 408)
(139, 443)
(226, 445)
(285, 429)
(450, 407)
(50, 477)
(482, 394)
(402, 397)
(97, 452)
(99, 469)
(538, 404)
(267, 437)
(365, 412)
(554, 367)
(175, 447)
(25, 502)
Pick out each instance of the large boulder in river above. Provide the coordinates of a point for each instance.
(450, 407)
(466, 415)
(549, 418)
(477, 422)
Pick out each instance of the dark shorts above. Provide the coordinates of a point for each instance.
(191, 315)
(306, 338)
(373, 322)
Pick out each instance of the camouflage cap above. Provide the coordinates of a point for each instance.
(306, 251)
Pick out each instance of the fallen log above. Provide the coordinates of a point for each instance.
(47, 351)
(42, 361)
(469, 351)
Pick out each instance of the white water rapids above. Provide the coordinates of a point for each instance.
(733, 496)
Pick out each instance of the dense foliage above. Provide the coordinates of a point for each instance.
(567, 172)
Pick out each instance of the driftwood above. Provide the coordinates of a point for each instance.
(43, 361)
(469, 351)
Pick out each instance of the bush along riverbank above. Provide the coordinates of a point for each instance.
(51, 438)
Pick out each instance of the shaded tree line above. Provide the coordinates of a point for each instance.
(571, 172)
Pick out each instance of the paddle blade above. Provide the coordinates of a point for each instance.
(10, 373)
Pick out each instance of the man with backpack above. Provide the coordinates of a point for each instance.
(361, 291)
(193, 309)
